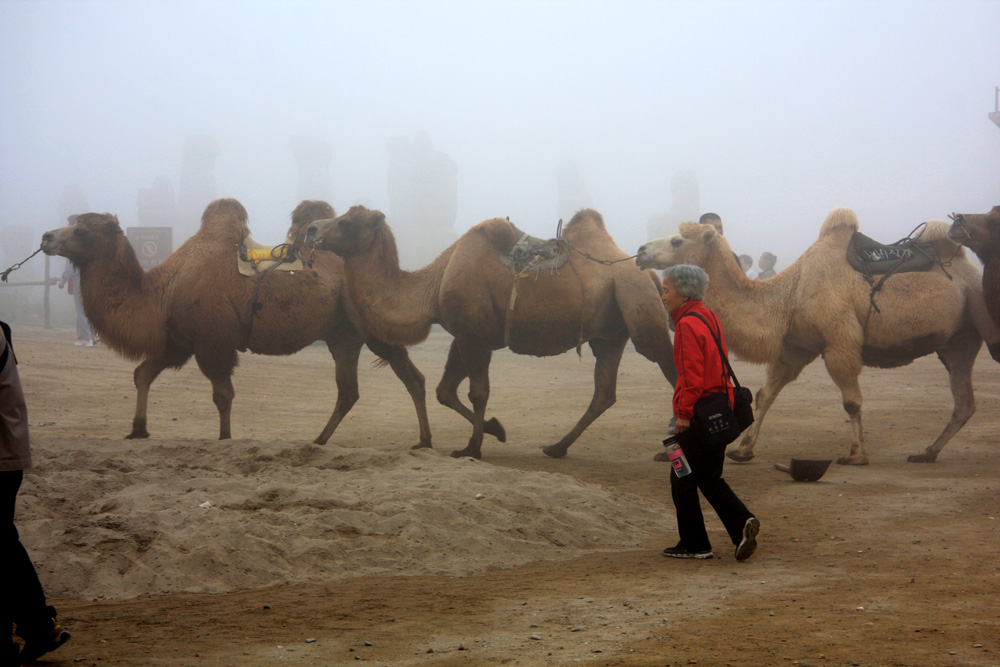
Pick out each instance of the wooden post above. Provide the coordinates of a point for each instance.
(45, 295)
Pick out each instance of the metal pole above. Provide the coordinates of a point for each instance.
(45, 295)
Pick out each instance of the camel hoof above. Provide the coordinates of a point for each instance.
(737, 455)
(853, 461)
(422, 446)
(462, 453)
(921, 458)
(496, 429)
(137, 435)
(555, 451)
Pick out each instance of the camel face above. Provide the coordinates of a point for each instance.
(90, 237)
(688, 247)
(347, 235)
(979, 232)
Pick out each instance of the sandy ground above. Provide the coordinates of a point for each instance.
(270, 550)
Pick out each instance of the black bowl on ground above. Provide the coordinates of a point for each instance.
(805, 470)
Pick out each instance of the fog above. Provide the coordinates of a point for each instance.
(780, 110)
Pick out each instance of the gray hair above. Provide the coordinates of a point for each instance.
(691, 281)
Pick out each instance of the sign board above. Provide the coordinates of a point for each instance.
(152, 244)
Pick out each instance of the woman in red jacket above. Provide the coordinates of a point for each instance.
(700, 372)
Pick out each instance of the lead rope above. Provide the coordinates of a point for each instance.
(3, 276)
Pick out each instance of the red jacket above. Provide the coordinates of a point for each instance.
(700, 370)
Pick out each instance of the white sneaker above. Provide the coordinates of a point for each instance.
(80, 343)
(89, 343)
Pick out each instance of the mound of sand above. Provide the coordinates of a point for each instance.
(113, 519)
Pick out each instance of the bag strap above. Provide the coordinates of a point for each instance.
(718, 343)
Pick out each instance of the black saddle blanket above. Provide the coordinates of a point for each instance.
(870, 257)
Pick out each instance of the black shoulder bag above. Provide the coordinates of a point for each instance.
(720, 424)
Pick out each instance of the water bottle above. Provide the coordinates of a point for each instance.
(678, 461)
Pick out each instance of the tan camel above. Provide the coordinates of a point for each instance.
(197, 303)
(468, 292)
(820, 306)
(981, 234)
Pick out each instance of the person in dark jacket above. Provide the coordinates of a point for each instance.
(22, 600)
(700, 372)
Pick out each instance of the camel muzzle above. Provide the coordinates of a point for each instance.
(957, 232)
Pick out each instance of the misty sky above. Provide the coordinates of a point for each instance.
(782, 109)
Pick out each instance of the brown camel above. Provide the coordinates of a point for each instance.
(820, 306)
(981, 234)
(481, 303)
(197, 303)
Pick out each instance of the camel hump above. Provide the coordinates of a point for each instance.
(585, 216)
(225, 217)
(839, 220)
(500, 231)
(936, 233)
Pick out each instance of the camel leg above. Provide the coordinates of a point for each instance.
(779, 373)
(844, 367)
(345, 352)
(218, 365)
(412, 379)
(447, 394)
(476, 360)
(143, 376)
(958, 356)
(609, 356)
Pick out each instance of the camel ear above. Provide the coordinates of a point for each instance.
(708, 234)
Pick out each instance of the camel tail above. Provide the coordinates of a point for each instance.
(839, 218)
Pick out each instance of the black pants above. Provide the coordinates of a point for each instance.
(706, 474)
(22, 599)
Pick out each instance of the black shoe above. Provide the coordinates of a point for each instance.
(681, 552)
(35, 646)
(748, 544)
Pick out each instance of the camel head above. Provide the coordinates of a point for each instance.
(348, 235)
(304, 215)
(91, 236)
(979, 232)
(692, 245)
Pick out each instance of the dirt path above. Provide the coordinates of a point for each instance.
(890, 564)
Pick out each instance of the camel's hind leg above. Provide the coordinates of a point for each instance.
(345, 351)
(144, 376)
(958, 355)
(218, 365)
(609, 357)
(412, 379)
(447, 394)
(476, 361)
(779, 373)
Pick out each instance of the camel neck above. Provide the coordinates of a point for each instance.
(395, 305)
(751, 311)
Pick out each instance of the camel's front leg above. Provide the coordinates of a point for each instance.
(218, 368)
(844, 366)
(447, 393)
(958, 357)
(143, 376)
(345, 352)
(412, 379)
(779, 373)
(609, 356)
(476, 360)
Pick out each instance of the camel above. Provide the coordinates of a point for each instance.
(820, 306)
(197, 303)
(981, 234)
(486, 307)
